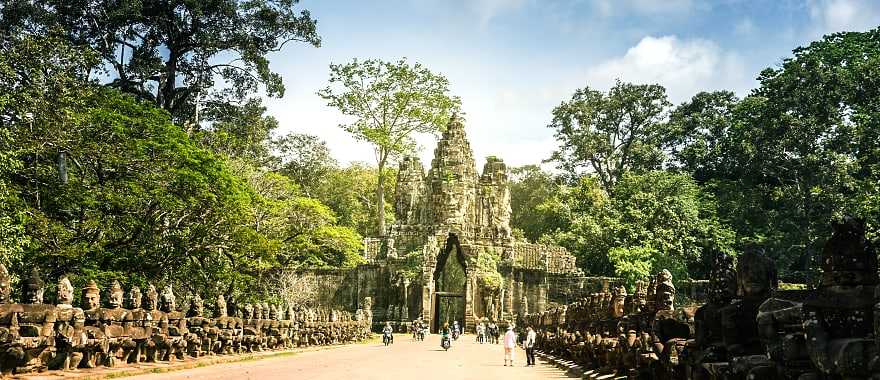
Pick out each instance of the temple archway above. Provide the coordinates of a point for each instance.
(450, 279)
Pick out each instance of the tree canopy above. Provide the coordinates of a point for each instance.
(389, 102)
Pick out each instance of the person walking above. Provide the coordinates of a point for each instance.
(509, 345)
(530, 346)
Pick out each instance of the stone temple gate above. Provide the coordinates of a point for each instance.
(450, 254)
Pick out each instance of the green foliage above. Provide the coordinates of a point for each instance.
(656, 220)
(389, 103)
(99, 185)
(348, 191)
(534, 195)
(171, 52)
(305, 159)
(610, 134)
(487, 261)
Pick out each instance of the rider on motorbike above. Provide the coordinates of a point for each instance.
(388, 333)
(456, 331)
(445, 340)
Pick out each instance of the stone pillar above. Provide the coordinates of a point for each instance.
(508, 297)
(541, 298)
(468, 322)
(524, 294)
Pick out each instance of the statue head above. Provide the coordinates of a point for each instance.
(664, 298)
(232, 309)
(848, 258)
(273, 312)
(196, 307)
(133, 299)
(5, 287)
(248, 311)
(32, 288)
(114, 297)
(167, 300)
(617, 302)
(151, 298)
(755, 274)
(220, 307)
(65, 292)
(91, 296)
(265, 310)
(258, 311)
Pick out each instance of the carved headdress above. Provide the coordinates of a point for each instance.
(65, 292)
(32, 288)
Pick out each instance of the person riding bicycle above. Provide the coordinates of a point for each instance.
(456, 331)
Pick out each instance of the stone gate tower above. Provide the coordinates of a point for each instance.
(450, 254)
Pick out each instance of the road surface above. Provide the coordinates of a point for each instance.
(404, 359)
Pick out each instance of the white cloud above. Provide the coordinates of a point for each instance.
(830, 16)
(684, 67)
(489, 9)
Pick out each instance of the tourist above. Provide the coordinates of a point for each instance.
(388, 334)
(493, 333)
(481, 332)
(456, 331)
(530, 346)
(509, 345)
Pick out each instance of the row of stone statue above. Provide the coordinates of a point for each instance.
(748, 329)
(149, 327)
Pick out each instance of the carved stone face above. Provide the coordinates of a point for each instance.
(114, 299)
(65, 292)
(265, 307)
(618, 302)
(220, 307)
(5, 287)
(151, 299)
(167, 301)
(755, 274)
(32, 289)
(248, 311)
(258, 311)
(196, 307)
(133, 301)
(91, 296)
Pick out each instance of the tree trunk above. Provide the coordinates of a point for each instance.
(380, 197)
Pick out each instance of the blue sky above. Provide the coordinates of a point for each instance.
(512, 61)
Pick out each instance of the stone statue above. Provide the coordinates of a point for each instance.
(139, 328)
(114, 320)
(839, 315)
(10, 350)
(96, 345)
(174, 326)
(755, 278)
(665, 291)
(197, 341)
(36, 323)
(68, 329)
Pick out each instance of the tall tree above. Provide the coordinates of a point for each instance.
(610, 134)
(304, 158)
(171, 52)
(390, 102)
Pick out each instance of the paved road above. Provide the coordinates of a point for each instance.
(403, 360)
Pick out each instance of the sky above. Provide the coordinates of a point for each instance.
(512, 61)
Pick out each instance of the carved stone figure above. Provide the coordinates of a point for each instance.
(68, 329)
(173, 325)
(839, 314)
(114, 320)
(36, 323)
(139, 328)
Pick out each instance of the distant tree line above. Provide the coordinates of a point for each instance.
(643, 184)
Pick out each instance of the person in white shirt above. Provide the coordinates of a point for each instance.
(530, 346)
(509, 345)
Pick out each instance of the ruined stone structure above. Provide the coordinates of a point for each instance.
(450, 255)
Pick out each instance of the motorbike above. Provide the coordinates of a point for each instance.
(455, 334)
(387, 338)
(445, 342)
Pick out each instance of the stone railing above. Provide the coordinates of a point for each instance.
(39, 336)
(748, 329)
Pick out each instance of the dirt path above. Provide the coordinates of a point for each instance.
(402, 360)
